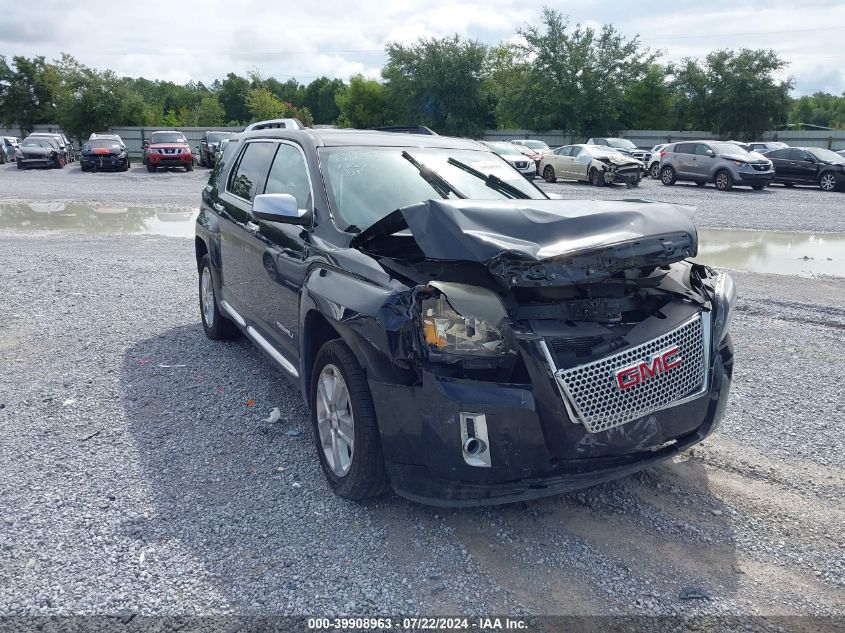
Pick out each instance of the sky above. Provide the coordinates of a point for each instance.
(202, 41)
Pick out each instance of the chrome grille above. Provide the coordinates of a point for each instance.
(594, 399)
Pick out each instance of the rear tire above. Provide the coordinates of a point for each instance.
(203, 162)
(654, 171)
(216, 325)
(549, 174)
(668, 176)
(354, 472)
(723, 180)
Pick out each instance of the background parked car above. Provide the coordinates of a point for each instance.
(653, 168)
(530, 153)
(208, 146)
(39, 151)
(539, 147)
(808, 166)
(765, 146)
(623, 146)
(64, 144)
(595, 164)
(103, 153)
(168, 149)
(725, 164)
(8, 144)
(517, 159)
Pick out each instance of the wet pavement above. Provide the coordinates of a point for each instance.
(779, 252)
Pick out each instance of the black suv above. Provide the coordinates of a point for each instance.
(208, 145)
(456, 334)
(808, 166)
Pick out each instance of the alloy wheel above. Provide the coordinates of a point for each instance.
(207, 297)
(828, 182)
(335, 421)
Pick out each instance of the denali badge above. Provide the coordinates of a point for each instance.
(658, 364)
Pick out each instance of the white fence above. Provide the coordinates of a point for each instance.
(830, 139)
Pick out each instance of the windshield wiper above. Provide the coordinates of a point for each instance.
(440, 184)
(491, 180)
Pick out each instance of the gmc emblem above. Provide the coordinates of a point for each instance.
(653, 366)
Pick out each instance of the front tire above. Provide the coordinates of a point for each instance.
(150, 168)
(828, 181)
(216, 325)
(549, 174)
(723, 180)
(189, 167)
(668, 176)
(596, 178)
(345, 427)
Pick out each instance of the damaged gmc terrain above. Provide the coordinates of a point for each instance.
(456, 334)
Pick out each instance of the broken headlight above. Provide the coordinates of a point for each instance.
(446, 331)
(725, 291)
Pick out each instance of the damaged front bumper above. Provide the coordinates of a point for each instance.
(534, 447)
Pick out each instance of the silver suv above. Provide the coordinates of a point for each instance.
(724, 164)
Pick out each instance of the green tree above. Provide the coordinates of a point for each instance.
(650, 104)
(264, 105)
(439, 82)
(733, 93)
(820, 108)
(575, 79)
(27, 92)
(319, 97)
(232, 92)
(363, 104)
(506, 78)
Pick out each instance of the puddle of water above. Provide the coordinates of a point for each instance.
(783, 253)
(776, 252)
(80, 218)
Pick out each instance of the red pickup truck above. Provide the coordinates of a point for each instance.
(168, 149)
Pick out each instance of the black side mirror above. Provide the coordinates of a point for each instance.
(809, 159)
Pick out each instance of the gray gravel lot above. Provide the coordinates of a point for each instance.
(777, 208)
(135, 475)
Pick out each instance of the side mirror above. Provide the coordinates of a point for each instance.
(711, 153)
(809, 159)
(279, 207)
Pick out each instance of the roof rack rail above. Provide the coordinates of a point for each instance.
(293, 124)
(406, 129)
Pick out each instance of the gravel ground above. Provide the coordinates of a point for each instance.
(777, 208)
(138, 473)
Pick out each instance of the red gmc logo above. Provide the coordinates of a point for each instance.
(653, 366)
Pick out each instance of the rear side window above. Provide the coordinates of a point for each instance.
(289, 175)
(685, 148)
(778, 153)
(247, 177)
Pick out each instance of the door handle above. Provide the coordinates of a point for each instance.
(219, 207)
(252, 227)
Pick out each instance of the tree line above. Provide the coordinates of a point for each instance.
(554, 75)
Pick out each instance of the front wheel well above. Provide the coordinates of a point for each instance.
(200, 248)
(317, 331)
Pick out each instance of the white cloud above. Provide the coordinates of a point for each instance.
(193, 41)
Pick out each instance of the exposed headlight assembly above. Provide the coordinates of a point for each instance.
(725, 291)
(463, 320)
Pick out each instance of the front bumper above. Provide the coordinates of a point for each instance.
(103, 161)
(627, 177)
(164, 160)
(33, 161)
(535, 450)
(753, 177)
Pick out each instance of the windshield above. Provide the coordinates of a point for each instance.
(104, 144)
(216, 137)
(504, 149)
(167, 137)
(535, 144)
(367, 183)
(826, 154)
(621, 143)
(37, 142)
(727, 148)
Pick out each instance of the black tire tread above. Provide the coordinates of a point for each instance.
(367, 477)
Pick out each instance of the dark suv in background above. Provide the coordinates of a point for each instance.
(209, 144)
(456, 334)
(808, 166)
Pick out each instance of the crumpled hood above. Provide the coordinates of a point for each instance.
(617, 159)
(750, 157)
(537, 230)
